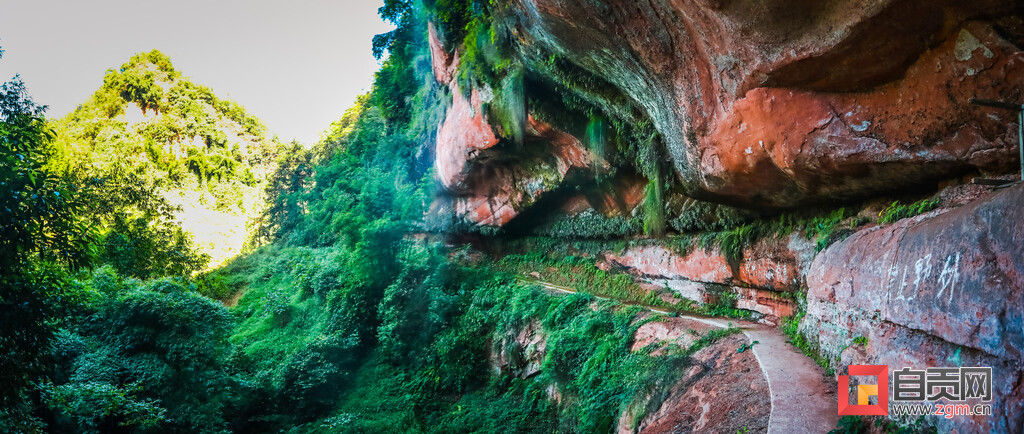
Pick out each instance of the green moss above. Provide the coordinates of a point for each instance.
(791, 328)
(700, 216)
(654, 206)
(723, 301)
(825, 230)
(590, 224)
(509, 107)
(898, 210)
(580, 273)
(573, 265)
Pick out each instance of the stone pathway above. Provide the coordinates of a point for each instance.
(803, 399)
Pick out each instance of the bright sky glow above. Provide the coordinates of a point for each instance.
(296, 64)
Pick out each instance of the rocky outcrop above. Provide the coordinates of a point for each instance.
(463, 135)
(778, 103)
(762, 280)
(699, 265)
(487, 184)
(703, 397)
(942, 289)
(724, 391)
(781, 104)
(522, 354)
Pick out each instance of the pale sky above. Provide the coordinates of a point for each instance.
(296, 64)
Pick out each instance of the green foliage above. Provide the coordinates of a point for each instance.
(573, 267)
(746, 347)
(138, 86)
(898, 210)
(354, 335)
(284, 192)
(366, 176)
(144, 249)
(825, 230)
(596, 137)
(509, 106)
(95, 407)
(791, 328)
(41, 233)
(151, 355)
(452, 16)
(733, 241)
(700, 216)
(396, 83)
(822, 229)
(654, 207)
(590, 224)
(38, 213)
(183, 145)
(723, 302)
(580, 272)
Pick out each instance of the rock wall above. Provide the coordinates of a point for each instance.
(488, 181)
(724, 391)
(768, 104)
(945, 288)
(940, 289)
(781, 103)
(765, 280)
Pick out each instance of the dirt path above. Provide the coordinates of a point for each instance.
(803, 399)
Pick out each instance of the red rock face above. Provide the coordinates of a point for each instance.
(724, 391)
(679, 331)
(445, 64)
(767, 303)
(767, 269)
(941, 289)
(832, 144)
(771, 264)
(460, 138)
(626, 194)
(699, 265)
(487, 186)
(780, 103)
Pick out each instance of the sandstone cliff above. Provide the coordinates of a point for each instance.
(617, 119)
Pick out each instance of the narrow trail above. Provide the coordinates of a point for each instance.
(803, 400)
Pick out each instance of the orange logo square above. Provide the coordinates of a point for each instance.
(865, 391)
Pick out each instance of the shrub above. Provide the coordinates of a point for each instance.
(153, 356)
(898, 210)
(699, 216)
(590, 224)
(825, 230)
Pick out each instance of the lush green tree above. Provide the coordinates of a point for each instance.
(285, 191)
(152, 355)
(193, 149)
(143, 249)
(40, 231)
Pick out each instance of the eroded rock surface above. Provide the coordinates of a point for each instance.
(941, 289)
(780, 103)
(724, 391)
(487, 184)
(760, 280)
